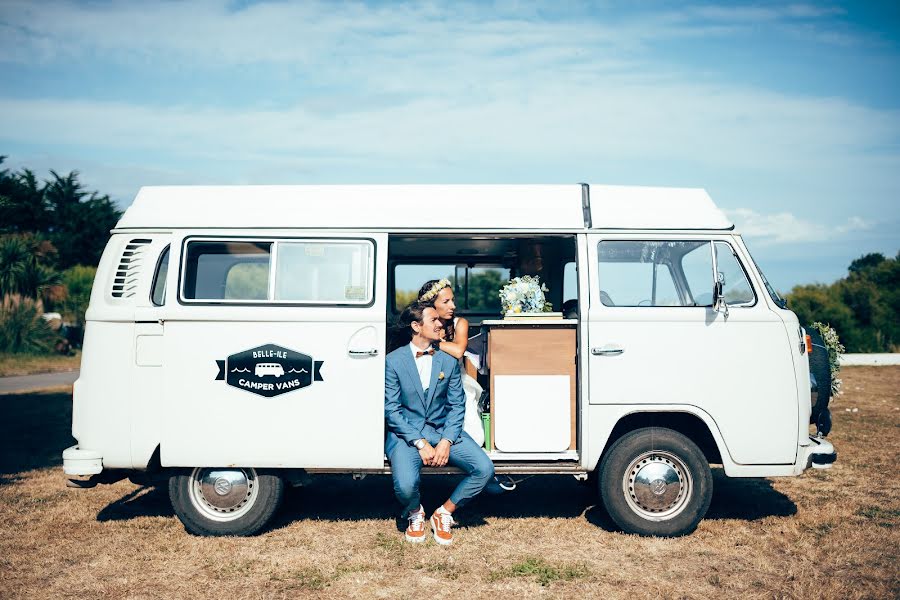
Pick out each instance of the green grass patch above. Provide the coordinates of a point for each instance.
(307, 579)
(883, 517)
(545, 573)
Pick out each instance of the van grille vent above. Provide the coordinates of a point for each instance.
(126, 280)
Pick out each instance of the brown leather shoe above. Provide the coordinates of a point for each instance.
(415, 533)
(440, 525)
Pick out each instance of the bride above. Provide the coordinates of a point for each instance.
(438, 293)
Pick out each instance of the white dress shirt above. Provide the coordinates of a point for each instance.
(423, 365)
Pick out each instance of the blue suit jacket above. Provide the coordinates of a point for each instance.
(410, 415)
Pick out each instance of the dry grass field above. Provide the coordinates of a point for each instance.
(27, 364)
(826, 534)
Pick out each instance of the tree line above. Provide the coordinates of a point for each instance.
(52, 233)
(863, 307)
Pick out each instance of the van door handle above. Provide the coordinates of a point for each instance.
(607, 351)
(370, 352)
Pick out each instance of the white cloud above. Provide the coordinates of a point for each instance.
(437, 92)
(758, 13)
(308, 35)
(786, 228)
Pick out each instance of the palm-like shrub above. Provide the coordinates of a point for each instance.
(23, 266)
(22, 328)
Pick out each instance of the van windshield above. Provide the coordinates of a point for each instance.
(773, 293)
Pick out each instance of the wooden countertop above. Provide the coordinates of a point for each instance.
(528, 322)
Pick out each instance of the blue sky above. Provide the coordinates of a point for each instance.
(788, 114)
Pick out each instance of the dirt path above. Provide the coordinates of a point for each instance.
(826, 534)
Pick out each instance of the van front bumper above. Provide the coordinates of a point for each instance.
(80, 461)
(820, 454)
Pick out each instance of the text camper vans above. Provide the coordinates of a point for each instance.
(236, 338)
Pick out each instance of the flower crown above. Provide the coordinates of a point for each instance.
(434, 289)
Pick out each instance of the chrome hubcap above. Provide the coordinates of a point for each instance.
(223, 494)
(657, 485)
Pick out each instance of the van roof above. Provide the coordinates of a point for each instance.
(423, 207)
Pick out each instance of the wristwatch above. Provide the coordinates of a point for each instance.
(419, 443)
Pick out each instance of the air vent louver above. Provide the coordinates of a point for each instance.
(126, 279)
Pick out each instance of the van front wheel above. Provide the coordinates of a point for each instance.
(655, 481)
(225, 501)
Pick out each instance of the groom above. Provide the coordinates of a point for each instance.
(424, 405)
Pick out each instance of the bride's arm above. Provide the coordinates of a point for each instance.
(457, 347)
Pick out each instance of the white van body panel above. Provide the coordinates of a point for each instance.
(104, 393)
(333, 423)
(369, 207)
(739, 370)
(116, 402)
(380, 207)
(637, 207)
(602, 419)
(796, 340)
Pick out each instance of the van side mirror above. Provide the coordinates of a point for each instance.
(719, 304)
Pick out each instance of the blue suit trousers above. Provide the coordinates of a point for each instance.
(406, 469)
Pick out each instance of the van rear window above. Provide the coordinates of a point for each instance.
(227, 270)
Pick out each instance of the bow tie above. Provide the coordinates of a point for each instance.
(429, 352)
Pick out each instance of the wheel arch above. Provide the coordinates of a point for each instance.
(700, 429)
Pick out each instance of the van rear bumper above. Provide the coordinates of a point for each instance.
(80, 461)
(820, 454)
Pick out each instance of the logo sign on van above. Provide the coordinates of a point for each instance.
(269, 370)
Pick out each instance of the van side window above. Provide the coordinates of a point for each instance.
(328, 271)
(653, 273)
(227, 270)
(735, 284)
(158, 291)
(696, 268)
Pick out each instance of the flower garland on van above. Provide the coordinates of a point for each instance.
(835, 351)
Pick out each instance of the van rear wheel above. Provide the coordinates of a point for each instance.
(655, 481)
(225, 501)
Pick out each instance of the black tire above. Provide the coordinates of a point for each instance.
(818, 366)
(653, 452)
(245, 509)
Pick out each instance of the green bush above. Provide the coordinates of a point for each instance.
(22, 328)
(863, 307)
(78, 281)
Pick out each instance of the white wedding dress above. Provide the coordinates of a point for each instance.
(472, 422)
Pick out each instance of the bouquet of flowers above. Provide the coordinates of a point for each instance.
(524, 295)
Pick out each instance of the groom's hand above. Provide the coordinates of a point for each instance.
(441, 454)
(427, 453)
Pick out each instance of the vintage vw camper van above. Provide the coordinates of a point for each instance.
(236, 339)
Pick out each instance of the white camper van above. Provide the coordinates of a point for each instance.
(236, 338)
